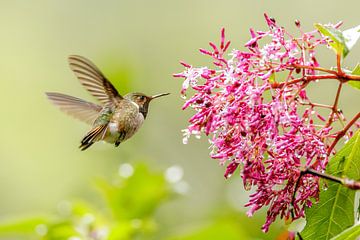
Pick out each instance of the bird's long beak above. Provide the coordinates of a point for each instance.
(159, 95)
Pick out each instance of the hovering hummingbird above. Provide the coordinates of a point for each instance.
(116, 119)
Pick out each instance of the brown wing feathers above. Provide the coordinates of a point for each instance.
(93, 80)
(76, 107)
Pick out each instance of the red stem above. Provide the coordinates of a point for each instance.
(334, 108)
(315, 68)
(349, 183)
(338, 63)
(342, 133)
(316, 105)
(348, 77)
(304, 79)
(344, 77)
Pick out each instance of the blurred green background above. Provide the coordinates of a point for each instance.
(137, 45)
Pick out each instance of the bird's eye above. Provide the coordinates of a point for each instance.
(141, 98)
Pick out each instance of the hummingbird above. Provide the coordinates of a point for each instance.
(116, 119)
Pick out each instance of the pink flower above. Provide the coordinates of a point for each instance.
(250, 104)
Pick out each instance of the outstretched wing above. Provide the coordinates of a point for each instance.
(76, 107)
(93, 80)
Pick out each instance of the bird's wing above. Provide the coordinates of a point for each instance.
(76, 107)
(93, 80)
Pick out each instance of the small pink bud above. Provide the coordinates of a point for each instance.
(204, 51)
(216, 51)
(222, 40)
(185, 64)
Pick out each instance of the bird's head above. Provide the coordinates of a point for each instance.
(143, 100)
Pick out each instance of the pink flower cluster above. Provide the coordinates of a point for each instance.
(253, 106)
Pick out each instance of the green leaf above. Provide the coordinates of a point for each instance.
(121, 230)
(137, 196)
(338, 42)
(351, 233)
(335, 210)
(132, 198)
(351, 36)
(61, 230)
(221, 229)
(23, 226)
(356, 71)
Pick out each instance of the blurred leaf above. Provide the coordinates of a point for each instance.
(338, 42)
(83, 221)
(222, 229)
(135, 197)
(356, 71)
(132, 199)
(351, 36)
(335, 210)
(135, 229)
(351, 233)
(121, 231)
(60, 230)
(82, 208)
(24, 226)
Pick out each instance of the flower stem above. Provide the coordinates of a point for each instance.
(316, 105)
(334, 106)
(342, 133)
(346, 182)
(305, 79)
(315, 68)
(349, 183)
(338, 63)
(350, 77)
(342, 78)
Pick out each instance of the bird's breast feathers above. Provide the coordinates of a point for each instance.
(125, 122)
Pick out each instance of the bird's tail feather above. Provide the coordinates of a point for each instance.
(94, 135)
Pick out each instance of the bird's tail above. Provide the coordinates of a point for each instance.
(94, 135)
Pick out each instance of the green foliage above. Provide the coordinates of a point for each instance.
(341, 42)
(351, 233)
(131, 199)
(220, 229)
(337, 39)
(335, 210)
(22, 226)
(227, 224)
(356, 71)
